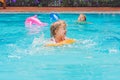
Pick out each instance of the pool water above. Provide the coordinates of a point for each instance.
(94, 56)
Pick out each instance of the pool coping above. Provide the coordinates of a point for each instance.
(61, 9)
(75, 12)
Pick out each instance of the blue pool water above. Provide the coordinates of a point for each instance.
(94, 56)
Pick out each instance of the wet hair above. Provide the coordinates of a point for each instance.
(55, 26)
(84, 17)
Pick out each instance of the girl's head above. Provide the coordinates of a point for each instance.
(82, 17)
(58, 29)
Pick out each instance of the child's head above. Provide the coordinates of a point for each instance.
(82, 17)
(58, 29)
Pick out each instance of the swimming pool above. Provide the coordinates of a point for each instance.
(94, 56)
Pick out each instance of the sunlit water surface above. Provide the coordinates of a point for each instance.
(94, 56)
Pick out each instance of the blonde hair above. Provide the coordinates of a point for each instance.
(55, 26)
(83, 16)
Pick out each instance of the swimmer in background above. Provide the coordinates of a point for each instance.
(81, 18)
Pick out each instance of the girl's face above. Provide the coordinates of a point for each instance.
(81, 18)
(61, 32)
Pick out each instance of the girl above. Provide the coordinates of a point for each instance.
(82, 18)
(58, 31)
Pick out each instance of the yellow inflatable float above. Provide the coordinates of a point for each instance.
(4, 3)
(65, 42)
